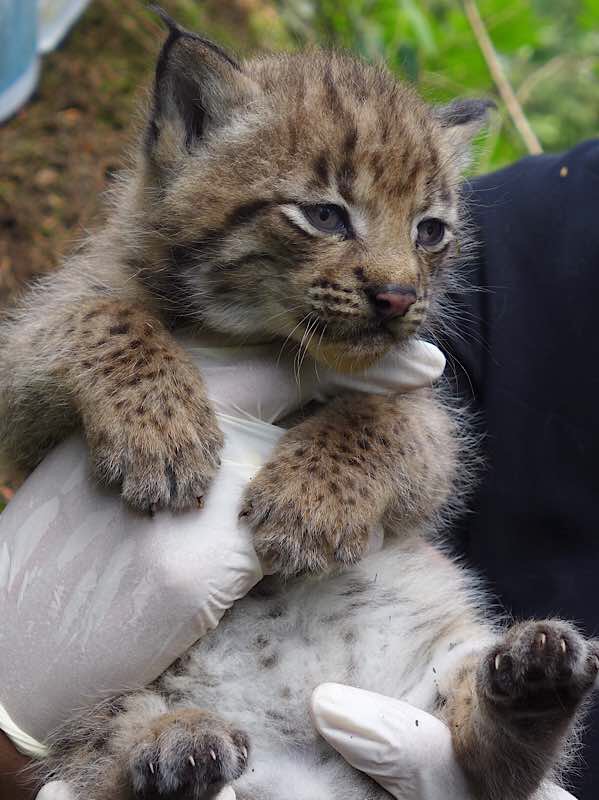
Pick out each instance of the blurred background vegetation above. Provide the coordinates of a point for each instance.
(548, 50)
(64, 147)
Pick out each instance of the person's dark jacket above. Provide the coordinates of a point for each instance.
(530, 366)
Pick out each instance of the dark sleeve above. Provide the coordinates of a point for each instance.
(526, 356)
(13, 784)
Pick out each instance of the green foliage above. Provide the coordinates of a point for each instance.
(549, 50)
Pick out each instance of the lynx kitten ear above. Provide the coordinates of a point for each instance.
(462, 120)
(196, 89)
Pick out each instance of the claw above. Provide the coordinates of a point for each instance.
(200, 500)
(151, 766)
(497, 661)
(596, 662)
(562, 645)
(191, 761)
(244, 752)
(213, 755)
(541, 640)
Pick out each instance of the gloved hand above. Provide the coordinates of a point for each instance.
(406, 750)
(95, 598)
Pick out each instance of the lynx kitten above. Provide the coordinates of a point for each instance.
(314, 197)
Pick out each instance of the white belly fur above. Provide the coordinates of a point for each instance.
(396, 624)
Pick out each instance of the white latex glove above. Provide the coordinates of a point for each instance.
(406, 750)
(96, 599)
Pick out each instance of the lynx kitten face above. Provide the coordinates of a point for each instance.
(308, 195)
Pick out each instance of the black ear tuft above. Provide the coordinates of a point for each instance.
(170, 23)
(464, 112)
(193, 75)
(176, 31)
(461, 121)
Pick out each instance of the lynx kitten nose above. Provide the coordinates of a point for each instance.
(392, 300)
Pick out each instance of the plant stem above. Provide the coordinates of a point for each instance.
(503, 85)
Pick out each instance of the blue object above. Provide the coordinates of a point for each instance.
(55, 20)
(19, 61)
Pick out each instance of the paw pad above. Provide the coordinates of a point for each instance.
(540, 667)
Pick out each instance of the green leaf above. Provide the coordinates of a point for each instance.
(408, 59)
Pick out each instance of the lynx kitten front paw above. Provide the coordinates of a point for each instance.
(306, 516)
(162, 453)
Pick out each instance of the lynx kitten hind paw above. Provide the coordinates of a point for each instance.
(186, 755)
(541, 667)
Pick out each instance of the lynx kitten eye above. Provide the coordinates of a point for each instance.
(327, 218)
(431, 232)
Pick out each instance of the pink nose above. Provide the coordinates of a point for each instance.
(393, 300)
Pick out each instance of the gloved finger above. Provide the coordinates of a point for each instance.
(274, 386)
(549, 791)
(406, 750)
(416, 365)
(55, 790)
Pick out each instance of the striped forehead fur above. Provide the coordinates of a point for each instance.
(353, 118)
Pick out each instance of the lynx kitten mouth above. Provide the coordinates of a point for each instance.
(396, 327)
(335, 356)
